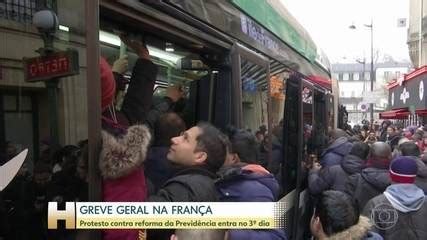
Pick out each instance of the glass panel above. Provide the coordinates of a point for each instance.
(177, 66)
(345, 76)
(25, 103)
(19, 133)
(9, 103)
(356, 76)
(255, 97)
(307, 99)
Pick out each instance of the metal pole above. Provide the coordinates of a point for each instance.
(420, 34)
(94, 104)
(52, 92)
(372, 70)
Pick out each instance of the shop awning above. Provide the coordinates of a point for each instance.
(401, 113)
(324, 82)
(421, 112)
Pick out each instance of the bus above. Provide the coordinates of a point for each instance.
(242, 64)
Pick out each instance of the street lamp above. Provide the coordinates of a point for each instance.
(47, 23)
(363, 62)
(371, 27)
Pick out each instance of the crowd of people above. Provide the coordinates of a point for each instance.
(373, 180)
(150, 153)
(59, 175)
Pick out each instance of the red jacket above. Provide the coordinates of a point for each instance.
(123, 177)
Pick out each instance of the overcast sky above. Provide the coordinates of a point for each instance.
(328, 23)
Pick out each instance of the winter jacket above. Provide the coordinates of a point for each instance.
(421, 180)
(194, 184)
(335, 152)
(137, 101)
(407, 212)
(357, 231)
(392, 140)
(158, 169)
(248, 183)
(123, 177)
(276, 157)
(368, 184)
(137, 105)
(334, 177)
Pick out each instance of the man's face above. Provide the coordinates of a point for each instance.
(390, 130)
(183, 149)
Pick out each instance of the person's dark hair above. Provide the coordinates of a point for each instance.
(409, 149)
(211, 141)
(244, 144)
(360, 149)
(337, 211)
(169, 125)
(365, 128)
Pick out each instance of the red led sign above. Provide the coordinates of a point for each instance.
(58, 64)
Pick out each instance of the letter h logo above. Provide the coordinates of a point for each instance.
(68, 215)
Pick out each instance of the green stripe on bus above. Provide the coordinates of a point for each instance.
(267, 16)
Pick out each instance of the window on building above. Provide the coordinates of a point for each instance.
(387, 75)
(335, 76)
(342, 94)
(356, 76)
(397, 75)
(23, 10)
(345, 76)
(367, 76)
(352, 93)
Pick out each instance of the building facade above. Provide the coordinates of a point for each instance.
(24, 118)
(417, 32)
(354, 85)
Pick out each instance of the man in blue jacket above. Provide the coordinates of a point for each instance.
(241, 180)
(339, 147)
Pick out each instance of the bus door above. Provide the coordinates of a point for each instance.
(297, 144)
(321, 118)
(292, 149)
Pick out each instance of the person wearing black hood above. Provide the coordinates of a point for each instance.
(335, 177)
(243, 180)
(338, 148)
(384, 130)
(392, 138)
(374, 179)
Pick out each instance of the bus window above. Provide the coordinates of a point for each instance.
(180, 67)
(254, 96)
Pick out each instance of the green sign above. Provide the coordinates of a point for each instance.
(267, 16)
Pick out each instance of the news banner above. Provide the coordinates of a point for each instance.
(171, 215)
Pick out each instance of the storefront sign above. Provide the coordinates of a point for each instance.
(409, 93)
(58, 64)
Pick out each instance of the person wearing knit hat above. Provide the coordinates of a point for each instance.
(403, 170)
(400, 211)
(108, 84)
